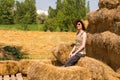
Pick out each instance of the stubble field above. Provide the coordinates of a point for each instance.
(36, 45)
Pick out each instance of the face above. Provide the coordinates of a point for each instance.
(79, 26)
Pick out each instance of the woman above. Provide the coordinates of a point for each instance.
(79, 48)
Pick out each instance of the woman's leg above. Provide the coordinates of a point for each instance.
(71, 61)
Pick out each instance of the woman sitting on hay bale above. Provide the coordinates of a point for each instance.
(79, 48)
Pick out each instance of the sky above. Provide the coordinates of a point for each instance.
(44, 4)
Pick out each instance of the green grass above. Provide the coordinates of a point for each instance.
(32, 27)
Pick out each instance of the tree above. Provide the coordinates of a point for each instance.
(6, 11)
(65, 13)
(52, 12)
(88, 7)
(25, 13)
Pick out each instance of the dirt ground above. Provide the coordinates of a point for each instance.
(37, 45)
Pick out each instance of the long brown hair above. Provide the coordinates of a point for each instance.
(78, 20)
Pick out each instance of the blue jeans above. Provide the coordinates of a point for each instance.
(71, 61)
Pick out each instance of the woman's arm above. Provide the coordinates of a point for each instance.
(72, 51)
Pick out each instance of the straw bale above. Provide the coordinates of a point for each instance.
(62, 51)
(118, 70)
(116, 28)
(106, 18)
(110, 4)
(8, 67)
(41, 71)
(25, 64)
(105, 47)
(98, 70)
(100, 16)
(101, 20)
(117, 14)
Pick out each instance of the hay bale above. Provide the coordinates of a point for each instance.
(117, 15)
(87, 69)
(106, 18)
(118, 71)
(8, 67)
(101, 20)
(98, 70)
(116, 28)
(101, 16)
(105, 47)
(62, 51)
(25, 64)
(110, 4)
(41, 71)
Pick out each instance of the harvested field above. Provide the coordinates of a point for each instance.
(36, 44)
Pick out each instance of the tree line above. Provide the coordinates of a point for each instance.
(59, 19)
(62, 18)
(15, 12)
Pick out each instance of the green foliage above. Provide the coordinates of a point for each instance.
(88, 7)
(61, 18)
(13, 51)
(32, 27)
(6, 11)
(52, 12)
(25, 13)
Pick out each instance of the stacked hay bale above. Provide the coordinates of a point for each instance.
(9, 67)
(105, 47)
(105, 18)
(103, 41)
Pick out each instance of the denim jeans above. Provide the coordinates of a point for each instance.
(71, 61)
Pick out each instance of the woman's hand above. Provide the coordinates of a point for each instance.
(71, 55)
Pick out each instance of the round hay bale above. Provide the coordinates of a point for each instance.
(8, 67)
(41, 71)
(117, 15)
(116, 28)
(101, 20)
(110, 4)
(118, 71)
(98, 70)
(105, 47)
(62, 51)
(104, 15)
(25, 64)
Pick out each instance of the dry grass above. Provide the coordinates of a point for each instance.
(37, 44)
